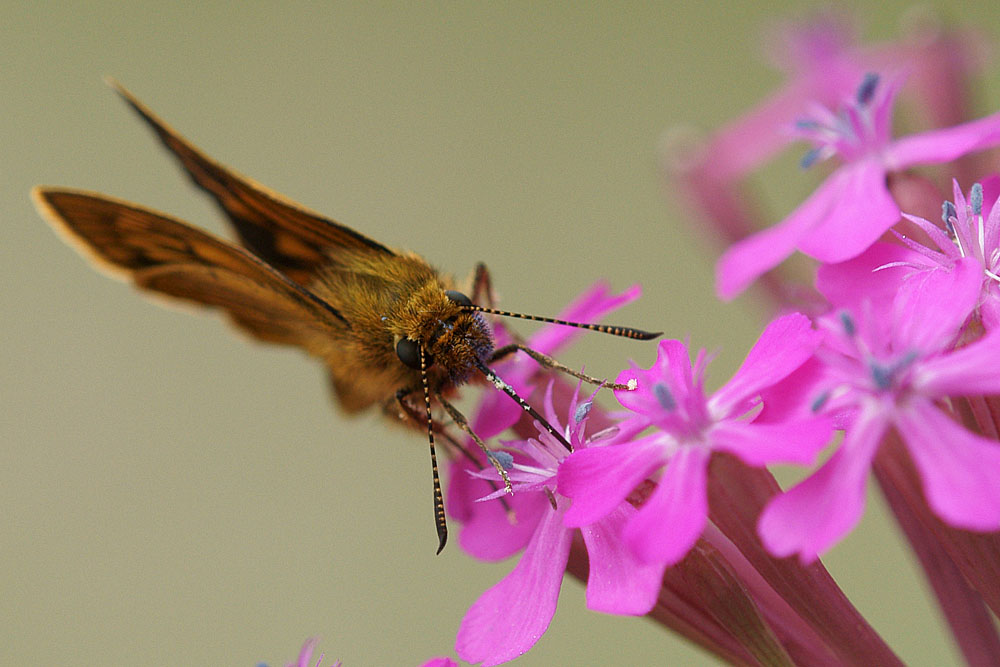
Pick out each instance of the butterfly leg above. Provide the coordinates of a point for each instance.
(409, 413)
(399, 408)
(463, 424)
(482, 287)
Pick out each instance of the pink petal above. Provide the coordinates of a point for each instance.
(932, 305)
(812, 47)
(672, 366)
(861, 213)
(440, 662)
(598, 479)
(618, 583)
(960, 470)
(487, 532)
(847, 284)
(760, 444)
(511, 616)
(813, 515)
(305, 653)
(968, 371)
(783, 346)
(745, 261)
(757, 135)
(991, 191)
(463, 491)
(937, 146)
(945, 252)
(884, 106)
(989, 309)
(793, 397)
(490, 534)
(673, 518)
(496, 412)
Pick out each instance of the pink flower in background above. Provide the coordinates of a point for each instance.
(853, 206)
(306, 652)
(822, 63)
(305, 656)
(889, 367)
(688, 428)
(440, 662)
(511, 616)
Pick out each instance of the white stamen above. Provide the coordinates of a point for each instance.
(958, 242)
(982, 234)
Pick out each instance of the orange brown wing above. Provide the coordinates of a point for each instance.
(164, 255)
(286, 235)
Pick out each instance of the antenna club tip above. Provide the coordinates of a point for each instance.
(442, 540)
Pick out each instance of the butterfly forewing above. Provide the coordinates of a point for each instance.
(164, 255)
(294, 240)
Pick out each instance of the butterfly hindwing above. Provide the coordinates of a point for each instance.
(164, 255)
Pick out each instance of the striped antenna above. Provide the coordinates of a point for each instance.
(498, 382)
(625, 332)
(439, 519)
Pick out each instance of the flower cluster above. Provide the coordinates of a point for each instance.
(667, 507)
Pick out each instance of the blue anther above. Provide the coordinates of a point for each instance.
(948, 211)
(847, 322)
(505, 460)
(867, 88)
(976, 198)
(664, 397)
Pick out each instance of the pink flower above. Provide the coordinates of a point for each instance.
(487, 532)
(305, 655)
(853, 206)
(893, 367)
(511, 616)
(688, 428)
(969, 234)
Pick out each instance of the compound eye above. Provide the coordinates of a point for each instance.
(458, 297)
(408, 352)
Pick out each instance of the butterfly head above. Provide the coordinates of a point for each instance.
(452, 339)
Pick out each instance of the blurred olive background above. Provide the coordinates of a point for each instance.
(171, 494)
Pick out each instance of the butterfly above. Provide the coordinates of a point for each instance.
(391, 330)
